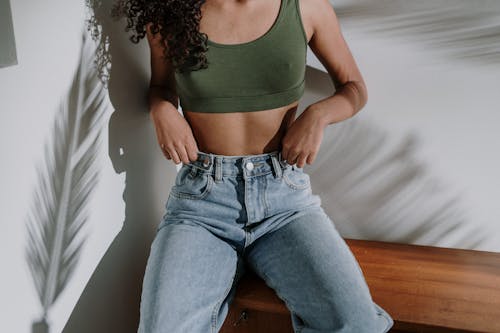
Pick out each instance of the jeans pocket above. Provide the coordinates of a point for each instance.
(296, 178)
(192, 183)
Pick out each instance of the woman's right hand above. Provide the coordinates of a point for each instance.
(174, 135)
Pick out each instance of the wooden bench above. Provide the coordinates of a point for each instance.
(424, 288)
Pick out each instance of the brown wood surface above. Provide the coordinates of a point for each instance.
(424, 288)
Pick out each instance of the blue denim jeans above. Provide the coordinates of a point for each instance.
(228, 213)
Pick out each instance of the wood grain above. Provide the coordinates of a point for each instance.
(424, 289)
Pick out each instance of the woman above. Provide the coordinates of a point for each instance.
(242, 199)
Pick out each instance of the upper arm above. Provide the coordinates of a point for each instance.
(162, 73)
(330, 47)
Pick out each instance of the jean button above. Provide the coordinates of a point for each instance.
(249, 166)
(206, 162)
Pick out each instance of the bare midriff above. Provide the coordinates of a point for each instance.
(241, 133)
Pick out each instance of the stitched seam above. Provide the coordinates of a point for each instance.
(226, 292)
(293, 185)
(251, 96)
(264, 194)
(287, 302)
(233, 174)
(300, 327)
(200, 196)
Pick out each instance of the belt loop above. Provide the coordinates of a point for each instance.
(276, 166)
(218, 168)
(283, 163)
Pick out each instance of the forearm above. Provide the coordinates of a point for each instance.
(160, 97)
(345, 103)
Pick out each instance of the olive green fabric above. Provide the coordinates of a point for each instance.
(265, 73)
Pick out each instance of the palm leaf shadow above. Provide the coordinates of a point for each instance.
(461, 30)
(378, 189)
(66, 179)
(374, 185)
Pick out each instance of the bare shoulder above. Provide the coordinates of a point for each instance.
(329, 45)
(317, 13)
(314, 13)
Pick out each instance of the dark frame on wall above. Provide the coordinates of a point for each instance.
(8, 54)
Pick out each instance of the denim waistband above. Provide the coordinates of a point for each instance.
(241, 165)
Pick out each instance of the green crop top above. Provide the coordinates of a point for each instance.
(265, 73)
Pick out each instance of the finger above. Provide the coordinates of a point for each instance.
(173, 154)
(312, 157)
(292, 157)
(166, 154)
(181, 150)
(192, 151)
(301, 161)
(285, 154)
(164, 151)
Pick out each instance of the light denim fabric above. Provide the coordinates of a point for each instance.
(226, 214)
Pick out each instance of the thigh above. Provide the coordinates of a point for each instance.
(312, 269)
(189, 274)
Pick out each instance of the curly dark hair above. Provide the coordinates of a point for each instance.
(177, 21)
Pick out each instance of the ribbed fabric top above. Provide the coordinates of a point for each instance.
(265, 73)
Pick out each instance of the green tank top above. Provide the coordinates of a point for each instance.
(265, 73)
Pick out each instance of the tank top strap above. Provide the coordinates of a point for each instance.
(265, 73)
(291, 18)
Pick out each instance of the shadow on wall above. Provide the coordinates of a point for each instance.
(372, 182)
(110, 301)
(66, 180)
(8, 54)
(375, 187)
(463, 31)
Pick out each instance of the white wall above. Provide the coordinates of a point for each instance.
(450, 105)
(133, 181)
(48, 38)
(452, 114)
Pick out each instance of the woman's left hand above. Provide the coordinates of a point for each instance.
(301, 142)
